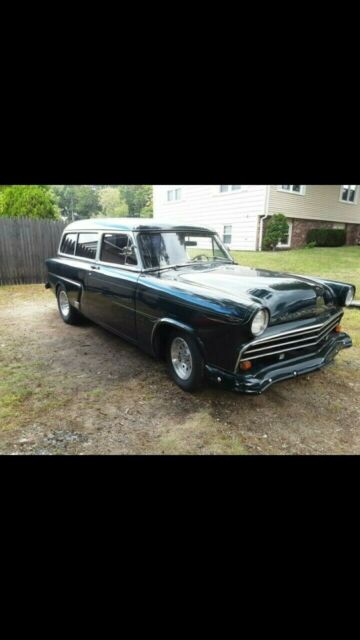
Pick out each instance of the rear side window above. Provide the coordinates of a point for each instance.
(118, 248)
(87, 245)
(68, 244)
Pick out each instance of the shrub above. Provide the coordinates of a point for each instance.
(276, 231)
(327, 237)
(310, 245)
(29, 201)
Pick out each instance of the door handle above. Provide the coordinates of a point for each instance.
(93, 266)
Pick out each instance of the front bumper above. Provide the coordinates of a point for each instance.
(268, 374)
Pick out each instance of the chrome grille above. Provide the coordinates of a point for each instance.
(288, 341)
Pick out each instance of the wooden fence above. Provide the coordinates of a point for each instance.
(25, 244)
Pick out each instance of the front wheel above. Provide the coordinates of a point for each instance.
(185, 362)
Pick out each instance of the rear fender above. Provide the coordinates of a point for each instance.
(73, 290)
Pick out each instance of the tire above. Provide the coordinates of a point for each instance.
(67, 312)
(184, 360)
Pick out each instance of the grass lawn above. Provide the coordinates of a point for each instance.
(338, 263)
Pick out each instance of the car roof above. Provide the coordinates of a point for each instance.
(131, 224)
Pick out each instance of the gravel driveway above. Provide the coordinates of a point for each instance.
(81, 390)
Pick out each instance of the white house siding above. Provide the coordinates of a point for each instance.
(320, 202)
(206, 206)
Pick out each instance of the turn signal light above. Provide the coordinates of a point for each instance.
(338, 328)
(245, 366)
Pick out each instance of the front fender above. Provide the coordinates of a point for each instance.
(338, 289)
(171, 322)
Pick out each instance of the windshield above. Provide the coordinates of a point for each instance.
(166, 249)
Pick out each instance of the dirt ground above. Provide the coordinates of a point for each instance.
(81, 390)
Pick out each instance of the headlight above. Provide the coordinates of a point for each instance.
(349, 297)
(260, 322)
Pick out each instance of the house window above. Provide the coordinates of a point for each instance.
(299, 189)
(174, 195)
(286, 242)
(228, 188)
(227, 234)
(349, 193)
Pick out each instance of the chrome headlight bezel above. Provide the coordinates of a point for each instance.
(349, 297)
(260, 322)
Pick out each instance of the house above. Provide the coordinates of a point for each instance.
(239, 213)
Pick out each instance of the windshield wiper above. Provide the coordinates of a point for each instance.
(187, 264)
(170, 266)
(223, 260)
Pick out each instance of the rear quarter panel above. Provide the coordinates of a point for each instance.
(70, 273)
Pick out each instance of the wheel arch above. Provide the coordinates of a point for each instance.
(161, 330)
(73, 289)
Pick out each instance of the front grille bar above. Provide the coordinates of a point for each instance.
(312, 336)
(297, 340)
(313, 327)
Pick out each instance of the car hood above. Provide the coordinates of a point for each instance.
(287, 296)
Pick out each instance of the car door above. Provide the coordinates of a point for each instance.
(111, 284)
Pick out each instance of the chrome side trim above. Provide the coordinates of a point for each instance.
(79, 258)
(123, 267)
(77, 284)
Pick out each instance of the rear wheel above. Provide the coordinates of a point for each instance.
(185, 362)
(67, 312)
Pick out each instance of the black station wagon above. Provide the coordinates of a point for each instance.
(176, 292)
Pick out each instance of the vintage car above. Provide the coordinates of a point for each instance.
(176, 292)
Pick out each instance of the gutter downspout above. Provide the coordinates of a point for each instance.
(263, 217)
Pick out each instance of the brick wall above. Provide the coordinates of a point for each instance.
(353, 234)
(300, 230)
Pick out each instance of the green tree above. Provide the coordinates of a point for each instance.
(276, 231)
(88, 202)
(138, 197)
(112, 204)
(148, 210)
(29, 201)
(77, 201)
(1, 200)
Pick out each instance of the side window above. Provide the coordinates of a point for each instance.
(118, 248)
(68, 244)
(87, 245)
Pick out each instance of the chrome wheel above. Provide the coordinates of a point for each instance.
(181, 358)
(64, 303)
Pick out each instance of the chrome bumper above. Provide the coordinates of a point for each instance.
(268, 374)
